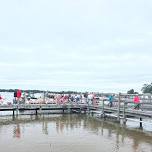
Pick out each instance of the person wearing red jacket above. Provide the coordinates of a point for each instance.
(1, 98)
(19, 93)
(136, 102)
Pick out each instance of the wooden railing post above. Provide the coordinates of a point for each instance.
(44, 97)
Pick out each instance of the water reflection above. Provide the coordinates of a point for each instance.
(86, 127)
(70, 122)
(45, 127)
(17, 131)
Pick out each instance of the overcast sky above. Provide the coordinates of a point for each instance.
(82, 45)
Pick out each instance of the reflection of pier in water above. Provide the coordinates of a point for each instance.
(69, 122)
(17, 131)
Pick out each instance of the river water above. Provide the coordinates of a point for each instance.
(69, 133)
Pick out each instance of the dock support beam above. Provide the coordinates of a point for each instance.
(44, 95)
(36, 112)
(124, 115)
(103, 114)
(88, 106)
(17, 111)
(118, 112)
(13, 113)
(69, 109)
(40, 109)
(141, 122)
(103, 106)
(80, 110)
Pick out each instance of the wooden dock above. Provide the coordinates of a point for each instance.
(39, 108)
(103, 111)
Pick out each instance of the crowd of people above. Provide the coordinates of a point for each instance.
(66, 98)
(81, 98)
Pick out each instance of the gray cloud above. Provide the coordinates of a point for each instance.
(99, 45)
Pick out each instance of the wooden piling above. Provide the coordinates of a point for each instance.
(103, 114)
(44, 97)
(124, 115)
(103, 106)
(80, 110)
(36, 112)
(40, 109)
(13, 113)
(141, 122)
(17, 110)
(88, 109)
(69, 109)
(118, 111)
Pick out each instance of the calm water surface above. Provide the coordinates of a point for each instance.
(70, 133)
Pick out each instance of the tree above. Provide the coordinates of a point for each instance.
(131, 92)
(147, 88)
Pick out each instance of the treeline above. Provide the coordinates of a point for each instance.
(147, 88)
(40, 91)
(13, 90)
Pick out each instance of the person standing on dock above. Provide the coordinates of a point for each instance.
(111, 98)
(136, 102)
(17, 96)
(86, 97)
(1, 99)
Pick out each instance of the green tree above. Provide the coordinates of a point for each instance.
(131, 91)
(147, 88)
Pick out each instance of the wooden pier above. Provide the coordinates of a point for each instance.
(40, 108)
(121, 110)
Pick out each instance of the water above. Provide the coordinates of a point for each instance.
(7, 97)
(69, 133)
